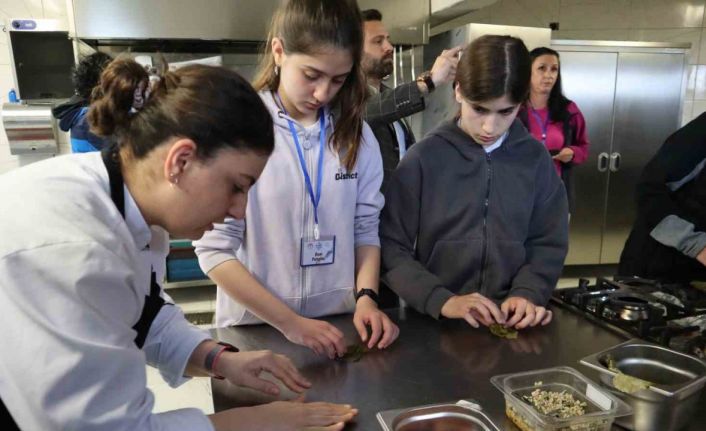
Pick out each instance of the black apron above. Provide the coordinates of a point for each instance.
(153, 302)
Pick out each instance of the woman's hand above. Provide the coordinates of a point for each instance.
(475, 308)
(383, 331)
(565, 155)
(321, 337)
(524, 313)
(285, 416)
(244, 369)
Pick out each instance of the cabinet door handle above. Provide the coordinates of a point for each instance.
(602, 162)
(614, 162)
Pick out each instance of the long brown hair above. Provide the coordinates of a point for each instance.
(305, 26)
(213, 106)
(494, 66)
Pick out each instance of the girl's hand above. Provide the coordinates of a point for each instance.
(524, 313)
(321, 337)
(475, 308)
(244, 369)
(383, 331)
(285, 416)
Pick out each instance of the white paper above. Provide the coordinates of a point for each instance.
(598, 397)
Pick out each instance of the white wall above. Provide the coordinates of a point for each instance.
(47, 9)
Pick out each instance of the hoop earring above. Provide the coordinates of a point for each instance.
(173, 179)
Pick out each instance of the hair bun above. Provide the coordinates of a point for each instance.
(114, 96)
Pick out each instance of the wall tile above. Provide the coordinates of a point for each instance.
(604, 14)
(6, 81)
(699, 108)
(690, 82)
(20, 9)
(700, 83)
(54, 8)
(687, 112)
(702, 48)
(4, 52)
(666, 13)
(691, 35)
(35, 7)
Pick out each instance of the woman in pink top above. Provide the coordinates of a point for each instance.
(553, 119)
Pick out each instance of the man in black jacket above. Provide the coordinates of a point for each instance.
(668, 240)
(387, 107)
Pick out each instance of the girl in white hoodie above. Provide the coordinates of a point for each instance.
(311, 245)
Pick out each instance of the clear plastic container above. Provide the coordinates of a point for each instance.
(601, 408)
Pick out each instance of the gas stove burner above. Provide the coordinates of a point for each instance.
(627, 308)
(667, 313)
(697, 347)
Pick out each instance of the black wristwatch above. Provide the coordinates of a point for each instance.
(426, 79)
(366, 292)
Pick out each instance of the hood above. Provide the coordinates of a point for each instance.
(451, 133)
(214, 20)
(68, 112)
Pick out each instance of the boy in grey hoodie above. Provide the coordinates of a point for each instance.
(475, 214)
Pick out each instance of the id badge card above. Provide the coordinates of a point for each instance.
(317, 252)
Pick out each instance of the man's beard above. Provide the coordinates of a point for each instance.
(378, 68)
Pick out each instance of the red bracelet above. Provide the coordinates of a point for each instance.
(214, 355)
(215, 363)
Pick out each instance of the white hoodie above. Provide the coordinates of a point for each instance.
(280, 213)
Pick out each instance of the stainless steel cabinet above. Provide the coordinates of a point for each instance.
(630, 95)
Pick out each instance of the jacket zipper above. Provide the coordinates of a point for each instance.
(484, 256)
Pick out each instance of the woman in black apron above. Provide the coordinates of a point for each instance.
(83, 245)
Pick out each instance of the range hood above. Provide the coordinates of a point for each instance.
(211, 20)
(220, 20)
(241, 20)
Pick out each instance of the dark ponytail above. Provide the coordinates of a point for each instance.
(558, 103)
(213, 106)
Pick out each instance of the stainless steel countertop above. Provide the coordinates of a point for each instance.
(431, 362)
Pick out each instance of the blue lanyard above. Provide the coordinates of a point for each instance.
(315, 199)
(544, 126)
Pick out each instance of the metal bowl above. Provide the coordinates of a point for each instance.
(465, 416)
(677, 383)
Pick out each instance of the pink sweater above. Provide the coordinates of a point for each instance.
(555, 133)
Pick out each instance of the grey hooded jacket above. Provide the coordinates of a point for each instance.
(458, 220)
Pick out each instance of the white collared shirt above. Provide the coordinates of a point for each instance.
(495, 145)
(73, 280)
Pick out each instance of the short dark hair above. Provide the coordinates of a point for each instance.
(213, 106)
(87, 72)
(371, 15)
(495, 66)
